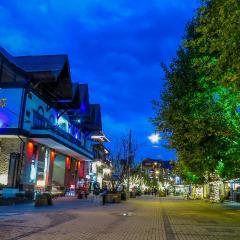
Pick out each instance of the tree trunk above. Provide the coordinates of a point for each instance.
(214, 189)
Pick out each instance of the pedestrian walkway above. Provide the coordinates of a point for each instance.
(145, 218)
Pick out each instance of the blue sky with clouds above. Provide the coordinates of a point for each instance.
(115, 46)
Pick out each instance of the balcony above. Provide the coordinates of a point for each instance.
(39, 122)
(43, 128)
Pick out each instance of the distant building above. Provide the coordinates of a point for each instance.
(161, 170)
(47, 125)
(101, 170)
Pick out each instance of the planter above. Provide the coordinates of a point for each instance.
(41, 201)
(132, 195)
(44, 199)
(113, 198)
(138, 193)
(162, 194)
(80, 195)
(48, 196)
(123, 196)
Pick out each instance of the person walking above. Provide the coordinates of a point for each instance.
(96, 191)
(104, 194)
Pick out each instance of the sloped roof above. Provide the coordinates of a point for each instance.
(11, 60)
(50, 72)
(6, 54)
(45, 63)
(52, 64)
(81, 111)
(84, 99)
(96, 118)
(94, 122)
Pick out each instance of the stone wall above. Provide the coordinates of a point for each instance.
(7, 146)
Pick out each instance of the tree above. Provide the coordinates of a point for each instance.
(199, 107)
(122, 157)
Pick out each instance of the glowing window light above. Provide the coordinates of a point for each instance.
(33, 173)
(4, 179)
(46, 164)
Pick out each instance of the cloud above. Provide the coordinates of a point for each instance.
(114, 46)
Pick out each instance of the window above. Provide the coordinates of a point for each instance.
(28, 114)
(38, 118)
(52, 119)
(41, 111)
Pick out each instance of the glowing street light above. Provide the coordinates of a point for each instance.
(154, 138)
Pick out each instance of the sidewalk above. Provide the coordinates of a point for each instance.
(145, 218)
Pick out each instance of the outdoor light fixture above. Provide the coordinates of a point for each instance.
(154, 138)
(40, 183)
(99, 136)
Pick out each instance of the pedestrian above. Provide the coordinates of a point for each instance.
(96, 191)
(104, 194)
(155, 192)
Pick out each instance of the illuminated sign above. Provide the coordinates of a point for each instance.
(3, 102)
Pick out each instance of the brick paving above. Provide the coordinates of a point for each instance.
(146, 218)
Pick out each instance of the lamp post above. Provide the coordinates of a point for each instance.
(129, 159)
(154, 138)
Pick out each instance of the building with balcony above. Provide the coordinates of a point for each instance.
(46, 123)
(101, 167)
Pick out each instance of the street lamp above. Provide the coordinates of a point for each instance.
(154, 138)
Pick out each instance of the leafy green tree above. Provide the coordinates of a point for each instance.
(199, 108)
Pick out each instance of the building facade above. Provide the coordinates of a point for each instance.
(162, 171)
(101, 168)
(46, 124)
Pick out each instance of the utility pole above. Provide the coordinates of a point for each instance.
(129, 159)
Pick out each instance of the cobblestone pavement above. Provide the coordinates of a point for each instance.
(145, 218)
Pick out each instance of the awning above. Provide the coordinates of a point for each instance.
(85, 156)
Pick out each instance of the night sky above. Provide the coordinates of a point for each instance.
(115, 46)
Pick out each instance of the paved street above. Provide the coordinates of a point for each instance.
(145, 218)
